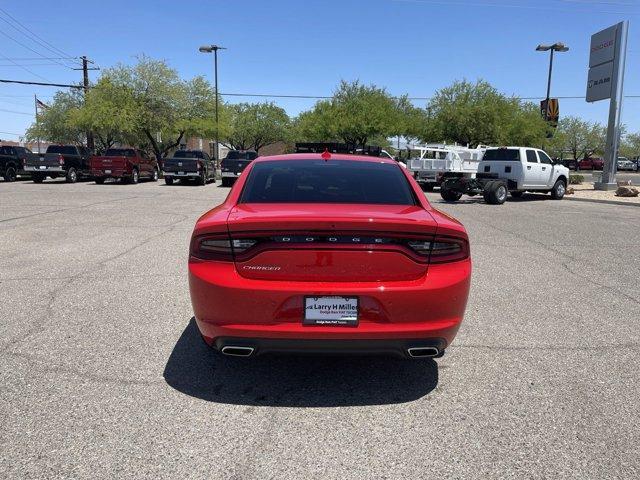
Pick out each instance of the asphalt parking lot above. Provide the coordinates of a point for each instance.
(103, 374)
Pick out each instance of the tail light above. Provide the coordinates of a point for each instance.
(218, 247)
(60, 159)
(441, 249)
(434, 250)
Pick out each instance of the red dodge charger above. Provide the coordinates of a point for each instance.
(328, 253)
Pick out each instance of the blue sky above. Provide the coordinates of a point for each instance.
(307, 46)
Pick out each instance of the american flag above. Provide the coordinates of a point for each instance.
(41, 104)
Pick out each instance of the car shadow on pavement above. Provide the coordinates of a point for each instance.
(294, 381)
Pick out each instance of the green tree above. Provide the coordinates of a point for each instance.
(254, 125)
(630, 145)
(580, 138)
(110, 112)
(476, 113)
(55, 123)
(355, 114)
(167, 108)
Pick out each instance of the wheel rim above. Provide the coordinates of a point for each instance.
(135, 176)
(73, 175)
(501, 193)
(560, 189)
(155, 174)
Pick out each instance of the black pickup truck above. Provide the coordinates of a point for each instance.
(69, 161)
(234, 164)
(13, 160)
(188, 165)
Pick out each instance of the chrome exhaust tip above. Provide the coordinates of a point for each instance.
(423, 352)
(236, 351)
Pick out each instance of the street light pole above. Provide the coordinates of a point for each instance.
(214, 49)
(546, 110)
(556, 47)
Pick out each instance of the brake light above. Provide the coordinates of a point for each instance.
(219, 247)
(441, 249)
(448, 249)
(60, 159)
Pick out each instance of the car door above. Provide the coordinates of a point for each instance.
(532, 171)
(546, 169)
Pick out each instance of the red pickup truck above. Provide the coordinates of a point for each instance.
(128, 164)
(591, 163)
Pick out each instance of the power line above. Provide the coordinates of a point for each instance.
(325, 97)
(23, 67)
(30, 65)
(14, 111)
(26, 46)
(44, 58)
(32, 35)
(11, 133)
(45, 84)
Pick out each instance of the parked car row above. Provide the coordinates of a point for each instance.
(126, 164)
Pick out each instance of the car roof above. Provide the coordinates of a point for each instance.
(318, 156)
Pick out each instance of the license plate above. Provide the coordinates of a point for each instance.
(107, 171)
(342, 311)
(180, 173)
(43, 167)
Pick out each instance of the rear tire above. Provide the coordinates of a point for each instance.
(168, 180)
(427, 187)
(155, 175)
(72, 175)
(449, 195)
(10, 175)
(558, 190)
(202, 180)
(498, 193)
(99, 180)
(226, 182)
(135, 176)
(37, 178)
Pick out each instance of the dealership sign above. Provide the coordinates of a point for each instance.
(602, 60)
(603, 46)
(607, 56)
(599, 82)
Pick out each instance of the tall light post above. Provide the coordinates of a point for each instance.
(214, 49)
(556, 47)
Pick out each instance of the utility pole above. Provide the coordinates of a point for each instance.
(85, 83)
(35, 102)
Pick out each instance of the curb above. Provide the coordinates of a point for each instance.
(606, 202)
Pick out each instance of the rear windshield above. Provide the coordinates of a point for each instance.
(120, 152)
(188, 154)
(63, 149)
(237, 155)
(502, 154)
(335, 181)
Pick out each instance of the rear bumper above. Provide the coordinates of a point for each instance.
(230, 174)
(37, 169)
(110, 173)
(181, 175)
(392, 347)
(429, 309)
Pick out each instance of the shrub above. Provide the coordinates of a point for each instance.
(575, 179)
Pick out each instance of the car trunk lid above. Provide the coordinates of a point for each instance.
(329, 242)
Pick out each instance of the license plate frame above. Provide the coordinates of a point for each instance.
(323, 310)
(107, 171)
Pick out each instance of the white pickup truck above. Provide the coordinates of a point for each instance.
(507, 170)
